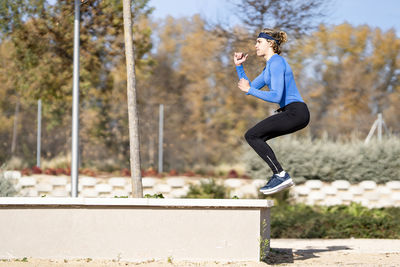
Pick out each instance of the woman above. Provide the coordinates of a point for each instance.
(293, 113)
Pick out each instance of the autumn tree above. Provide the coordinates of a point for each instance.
(41, 47)
(350, 74)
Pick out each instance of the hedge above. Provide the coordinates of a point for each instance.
(328, 160)
(302, 221)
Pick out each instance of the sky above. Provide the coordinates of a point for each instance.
(384, 14)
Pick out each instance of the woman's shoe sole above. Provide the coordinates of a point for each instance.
(286, 184)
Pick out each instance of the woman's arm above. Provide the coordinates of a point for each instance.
(241, 73)
(275, 92)
(239, 58)
(244, 82)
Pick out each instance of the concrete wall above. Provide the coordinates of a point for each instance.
(368, 193)
(134, 229)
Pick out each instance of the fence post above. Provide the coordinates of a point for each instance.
(160, 139)
(39, 132)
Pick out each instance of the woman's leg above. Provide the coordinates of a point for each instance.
(294, 117)
(257, 136)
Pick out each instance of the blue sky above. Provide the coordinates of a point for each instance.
(383, 13)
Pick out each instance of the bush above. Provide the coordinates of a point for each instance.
(208, 189)
(16, 163)
(154, 196)
(6, 187)
(60, 161)
(302, 221)
(327, 160)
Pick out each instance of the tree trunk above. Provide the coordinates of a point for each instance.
(137, 190)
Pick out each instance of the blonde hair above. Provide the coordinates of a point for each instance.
(281, 36)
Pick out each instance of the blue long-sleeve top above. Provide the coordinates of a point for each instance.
(278, 76)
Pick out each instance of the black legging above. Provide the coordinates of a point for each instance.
(291, 118)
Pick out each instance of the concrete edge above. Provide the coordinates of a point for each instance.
(135, 202)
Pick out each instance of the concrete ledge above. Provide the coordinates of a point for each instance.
(181, 202)
(135, 229)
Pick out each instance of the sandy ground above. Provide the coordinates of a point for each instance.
(284, 252)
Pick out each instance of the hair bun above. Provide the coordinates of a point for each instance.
(282, 37)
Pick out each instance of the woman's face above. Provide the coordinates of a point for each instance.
(262, 46)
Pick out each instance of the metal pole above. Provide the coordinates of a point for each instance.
(15, 128)
(75, 106)
(160, 139)
(39, 132)
(380, 127)
(386, 128)
(371, 132)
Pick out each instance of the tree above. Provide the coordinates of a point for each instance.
(36, 62)
(296, 17)
(350, 74)
(137, 190)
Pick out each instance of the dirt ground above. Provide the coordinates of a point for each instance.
(284, 252)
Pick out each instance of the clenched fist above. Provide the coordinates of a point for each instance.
(244, 85)
(239, 58)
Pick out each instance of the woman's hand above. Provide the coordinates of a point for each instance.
(239, 58)
(244, 85)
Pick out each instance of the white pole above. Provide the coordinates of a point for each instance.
(39, 128)
(75, 106)
(386, 128)
(380, 127)
(371, 132)
(160, 139)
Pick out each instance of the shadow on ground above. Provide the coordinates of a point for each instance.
(287, 255)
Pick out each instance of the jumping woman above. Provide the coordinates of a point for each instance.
(293, 113)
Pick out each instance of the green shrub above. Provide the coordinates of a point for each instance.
(302, 221)
(153, 196)
(327, 160)
(208, 189)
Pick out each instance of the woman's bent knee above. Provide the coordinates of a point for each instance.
(249, 136)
